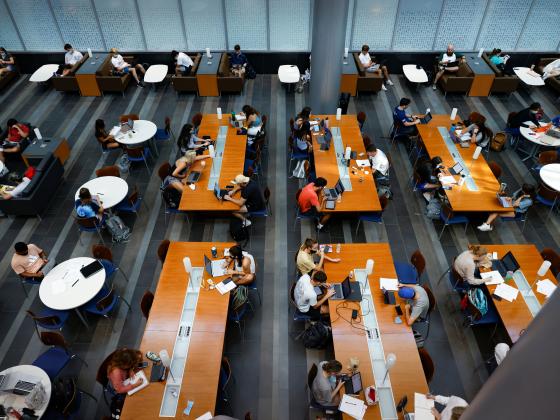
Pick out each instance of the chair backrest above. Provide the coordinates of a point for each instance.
(51, 338)
(196, 119)
(361, 117)
(551, 255)
(367, 140)
(431, 299)
(101, 252)
(446, 212)
(510, 117)
(146, 303)
(164, 170)
(266, 195)
(292, 122)
(383, 200)
(167, 125)
(496, 169)
(125, 117)
(297, 195)
(44, 320)
(455, 275)
(88, 222)
(547, 193)
(311, 375)
(427, 364)
(547, 157)
(133, 197)
(108, 171)
(225, 367)
(292, 290)
(106, 301)
(101, 376)
(291, 142)
(162, 250)
(135, 152)
(418, 261)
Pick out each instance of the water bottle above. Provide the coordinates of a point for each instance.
(338, 248)
(509, 276)
(233, 116)
(327, 122)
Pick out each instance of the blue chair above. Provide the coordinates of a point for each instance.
(406, 273)
(104, 303)
(298, 316)
(519, 217)
(138, 154)
(475, 318)
(171, 211)
(164, 134)
(267, 209)
(90, 225)
(111, 268)
(456, 281)
(28, 280)
(547, 197)
(375, 217)
(237, 315)
(299, 215)
(226, 375)
(57, 357)
(448, 218)
(130, 204)
(49, 319)
(295, 153)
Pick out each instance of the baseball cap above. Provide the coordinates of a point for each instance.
(241, 179)
(406, 292)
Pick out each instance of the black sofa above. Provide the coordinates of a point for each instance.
(36, 197)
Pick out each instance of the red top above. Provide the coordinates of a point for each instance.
(117, 377)
(14, 135)
(308, 198)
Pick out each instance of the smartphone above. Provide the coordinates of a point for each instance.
(142, 365)
(399, 310)
(229, 187)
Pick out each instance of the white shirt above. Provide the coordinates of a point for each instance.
(450, 403)
(379, 162)
(118, 62)
(72, 57)
(304, 294)
(365, 59)
(184, 60)
(16, 192)
(449, 59)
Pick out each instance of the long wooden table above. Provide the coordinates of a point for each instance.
(363, 197)
(460, 198)
(516, 315)
(202, 369)
(407, 375)
(203, 199)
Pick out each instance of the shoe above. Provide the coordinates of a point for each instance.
(247, 223)
(485, 227)
(140, 84)
(434, 87)
(320, 226)
(383, 86)
(389, 83)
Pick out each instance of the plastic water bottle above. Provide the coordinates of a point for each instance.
(338, 248)
(509, 276)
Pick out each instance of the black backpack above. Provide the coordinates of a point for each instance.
(172, 197)
(250, 72)
(238, 232)
(316, 336)
(64, 396)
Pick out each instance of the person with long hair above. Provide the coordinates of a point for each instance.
(188, 140)
(240, 265)
(468, 261)
(121, 367)
(180, 169)
(106, 140)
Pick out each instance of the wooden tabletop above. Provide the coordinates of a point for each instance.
(363, 197)
(201, 375)
(516, 315)
(407, 376)
(460, 198)
(203, 199)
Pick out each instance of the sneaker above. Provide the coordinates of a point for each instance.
(383, 86)
(434, 87)
(485, 227)
(247, 223)
(389, 82)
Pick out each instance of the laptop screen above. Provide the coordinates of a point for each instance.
(208, 265)
(339, 187)
(328, 135)
(458, 168)
(131, 123)
(510, 263)
(346, 289)
(217, 192)
(356, 382)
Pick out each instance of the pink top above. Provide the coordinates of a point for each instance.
(117, 376)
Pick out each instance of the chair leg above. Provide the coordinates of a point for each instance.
(79, 358)
(124, 275)
(357, 227)
(145, 162)
(443, 275)
(88, 394)
(442, 229)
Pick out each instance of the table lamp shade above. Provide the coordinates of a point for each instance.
(348, 153)
(38, 133)
(453, 113)
(369, 267)
(164, 356)
(477, 152)
(544, 268)
(345, 52)
(219, 112)
(188, 265)
(208, 53)
(338, 113)
(211, 150)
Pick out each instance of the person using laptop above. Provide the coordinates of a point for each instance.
(87, 207)
(417, 302)
(240, 265)
(448, 63)
(178, 177)
(238, 61)
(371, 66)
(106, 140)
(468, 261)
(428, 172)
(326, 385)
(16, 138)
(378, 160)
(520, 202)
(307, 299)
(7, 63)
(302, 117)
(475, 128)
(309, 203)
(28, 259)
(408, 122)
(188, 140)
(183, 63)
(454, 407)
(122, 67)
(302, 137)
(251, 199)
(71, 57)
(304, 259)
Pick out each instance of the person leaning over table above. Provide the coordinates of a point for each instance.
(309, 203)
(302, 117)
(180, 169)
(251, 199)
(183, 63)
(521, 200)
(526, 114)
(454, 407)
(86, 207)
(417, 302)
(448, 64)
(106, 140)
(468, 261)
(123, 366)
(307, 300)
(253, 118)
(304, 258)
(475, 126)
(28, 260)
(6, 62)
(408, 121)
(326, 385)
(123, 67)
(240, 265)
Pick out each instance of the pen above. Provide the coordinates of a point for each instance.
(77, 280)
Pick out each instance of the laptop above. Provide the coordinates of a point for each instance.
(23, 387)
(353, 385)
(193, 177)
(456, 169)
(507, 263)
(325, 140)
(219, 193)
(214, 267)
(502, 199)
(127, 126)
(90, 269)
(426, 118)
(347, 290)
(236, 123)
(333, 193)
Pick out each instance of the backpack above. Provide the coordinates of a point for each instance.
(250, 72)
(63, 396)
(119, 231)
(498, 142)
(316, 336)
(171, 197)
(477, 297)
(238, 232)
(433, 209)
(124, 164)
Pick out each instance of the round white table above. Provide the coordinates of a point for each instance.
(415, 75)
(142, 132)
(111, 190)
(43, 73)
(156, 73)
(65, 287)
(288, 73)
(526, 76)
(550, 174)
(538, 139)
(27, 373)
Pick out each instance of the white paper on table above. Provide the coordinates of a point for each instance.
(389, 284)
(240, 117)
(313, 122)
(134, 379)
(494, 255)
(494, 275)
(447, 179)
(206, 416)
(546, 287)
(505, 291)
(423, 407)
(114, 131)
(224, 288)
(352, 406)
(58, 287)
(363, 163)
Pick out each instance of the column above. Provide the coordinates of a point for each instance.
(327, 49)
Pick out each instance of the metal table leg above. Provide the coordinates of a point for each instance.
(82, 318)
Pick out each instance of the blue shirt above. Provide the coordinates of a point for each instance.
(237, 59)
(400, 115)
(86, 210)
(497, 60)
(524, 204)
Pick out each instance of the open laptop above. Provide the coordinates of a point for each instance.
(353, 385)
(193, 177)
(90, 269)
(347, 290)
(333, 193)
(504, 201)
(127, 126)
(219, 193)
(426, 118)
(507, 263)
(325, 140)
(215, 268)
(456, 169)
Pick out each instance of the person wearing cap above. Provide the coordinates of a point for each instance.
(417, 302)
(123, 67)
(28, 260)
(87, 207)
(240, 265)
(251, 197)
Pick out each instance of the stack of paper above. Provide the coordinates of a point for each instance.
(423, 407)
(494, 275)
(362, 163)
(354, 407)
(389, 284)
(224, 288)
(505, 291)
(206, 416)
(447, 179)
(114, 131)
(136, 378)
(546, 287)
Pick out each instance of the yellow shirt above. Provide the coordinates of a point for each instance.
(304, 262)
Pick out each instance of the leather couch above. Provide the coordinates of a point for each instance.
(553, 82)
(459, 81)
(367, 82)
(36, 197)
(503, 83)
(8, 77)
(108, 82)
(69, 83)
(227, 81)
(188, 83)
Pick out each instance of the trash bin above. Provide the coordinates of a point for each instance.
(343, 102)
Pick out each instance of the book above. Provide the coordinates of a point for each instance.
(134, 379)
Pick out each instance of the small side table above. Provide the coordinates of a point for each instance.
(156, 74)
(43, 73)
(38, 149)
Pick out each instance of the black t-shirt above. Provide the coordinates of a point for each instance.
(253, 196)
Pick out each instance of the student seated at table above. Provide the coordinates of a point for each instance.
(122, 366)
(407, 121)
(71, 57)
(238, 61)
(240, 265)
(106, 140)
(183, 63)
(302, 137)
(417, 302)
(521, 200)
(180, 169)
(475, 126)
(326, 385)
(302, 117)
(188, 140)
(428, 171)
(304, 259)
(454, 407)
(448, 63)
(467, 263)
(372, 67)
(7, 63)
(251, 199)
(21, 181)
(253, 118)
(501, 61)
(526, 115)
(378, 160)
(309, 203)
(307, 300)
(17, 133)
(122, 67)
(87, 207)
(28, 260)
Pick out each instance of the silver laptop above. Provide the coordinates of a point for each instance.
(333, 193)
(215, 268)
